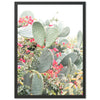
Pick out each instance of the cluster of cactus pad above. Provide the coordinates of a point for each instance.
(46, 36)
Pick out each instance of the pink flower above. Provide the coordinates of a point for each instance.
(31, 53)
(56, 43)
(24, 61)
(26, 17)
(28, 46)
(61, 66)
(63, 43)
(21, 59)
(20, 45)
(19, 67)
(38, 45)
(60, 53)
(55, 49)
(43, 47)
(44, 74)
(61, 91)
(50, 25)
(31, 40)
(20, 20)
(60, 87)
(27, 51)
(54, 62)
(57, 55)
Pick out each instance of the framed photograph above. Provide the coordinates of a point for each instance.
(50, 49)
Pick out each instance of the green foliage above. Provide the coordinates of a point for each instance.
(38, 33)
(52, 34)
(45, 61)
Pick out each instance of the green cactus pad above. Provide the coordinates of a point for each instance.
(27, 79)
(73, 57)
(79, 38)
(63, 40)
(38, 33)
(27, 13)
(25, 31)
(52, 34)
(65, 32)
(45, 60)
(37, 84)
(60, 58)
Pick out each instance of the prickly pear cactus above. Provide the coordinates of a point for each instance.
(51, 36)
(73, 57)
(37, 84)
(27, 79)
(25, 31)
(79, 38)
(38, 33)
(45, 61)
(27, 13)
(64, 32)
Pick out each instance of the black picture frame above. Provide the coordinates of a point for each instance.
(84, 47)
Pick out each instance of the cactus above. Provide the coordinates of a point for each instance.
(26, 31)
(52, 34)
(27, 79)
(27, 13)
(65, 32)
(79, 39)
(60, 58)
(45, 61)
(78, 61)
(73, 57)
(63, 40)
(38, 33)
(37, 84)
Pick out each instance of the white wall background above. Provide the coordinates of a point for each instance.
(70, 15)
(7, 49)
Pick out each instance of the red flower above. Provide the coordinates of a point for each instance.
(50, 25)
(44, 74)
(57, 55)
(27, 51)
(21, 59)
(54, 62)
(61, 66)
(61, 91)
(19, 67)
(43, 47)
(26, 17)
(20, 45)
(60, 53)
(38, 45)
(55, 49)
(63, 43)
(31, 40)
(56, 43)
